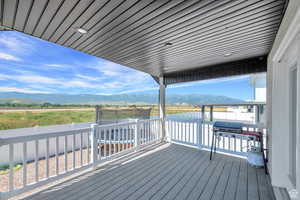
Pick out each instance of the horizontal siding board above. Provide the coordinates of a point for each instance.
(211, 13)
(98, 18)
(240, 52)
(10, 7)
(23, 11)
(148, 21)
(70, 19)
(100, 29)
(217, 31)
(36, 12)
(133, 21)
(218, 43)
(158, 24)
(221, 70)
(92, 10)
(203, 25)
(58, 19)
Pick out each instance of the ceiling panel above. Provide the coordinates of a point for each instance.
(155, 36)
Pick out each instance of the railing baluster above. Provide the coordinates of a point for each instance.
(88, 148)
(99, 143)
(234, 143)
(149, 132)
(57, 154)
(203, 133)
(73, 149)
(115, 141)
(47, 158)
(36, 160)
(144, 132)
(11, 167)
(127, 138)
(119, 137)
(66, 153)
(208, 135)
(81, 145)
(104, 142)
(241, 143)
(229, 139)
(181, 125)
(123, 137)
(24, 164)
(110, 130)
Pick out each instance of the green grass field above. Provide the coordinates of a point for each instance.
(29, 119)
(23, 119)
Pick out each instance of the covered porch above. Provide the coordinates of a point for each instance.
(173, 41)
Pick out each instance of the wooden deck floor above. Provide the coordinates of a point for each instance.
(168, 172)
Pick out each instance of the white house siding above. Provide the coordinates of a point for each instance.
(284, 56)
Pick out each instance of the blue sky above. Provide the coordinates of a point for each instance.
(31, 65)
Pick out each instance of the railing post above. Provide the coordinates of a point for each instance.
(162, 107)
(136, 135)
(211, 112)
(203, 112)
(199, 133)
(98, 114)
(93, 140)
(257, 119)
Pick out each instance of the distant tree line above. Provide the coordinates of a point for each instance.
(44, 105)
(48, 105)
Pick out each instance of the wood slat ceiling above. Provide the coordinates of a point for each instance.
(135, 33)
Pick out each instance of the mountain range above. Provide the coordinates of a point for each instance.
(194, 99)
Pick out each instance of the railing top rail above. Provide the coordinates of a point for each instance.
(233, 104)
(250, 125)
(32, 137)
(126, 123)
(36, 134)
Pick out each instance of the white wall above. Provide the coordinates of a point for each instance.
(285, 54)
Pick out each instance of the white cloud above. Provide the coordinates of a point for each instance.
(23, 90)
(58, 66)
(37, 79)
(90, 78)
(79, 83)
(10, 57)
(17, 43)
(139, 90)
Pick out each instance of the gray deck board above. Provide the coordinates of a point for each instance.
(172, 172)
(230, 191)
(252, 184)
(220, 187)
(242, 189)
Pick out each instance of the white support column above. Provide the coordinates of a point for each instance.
(94, 148)
(162, 106)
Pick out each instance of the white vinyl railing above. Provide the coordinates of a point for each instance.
(186, 132)
(198, 133)
(58, 154)
(237, 144)
(67, 152)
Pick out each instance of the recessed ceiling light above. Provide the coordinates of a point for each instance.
(82, 30)
(227, 54)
